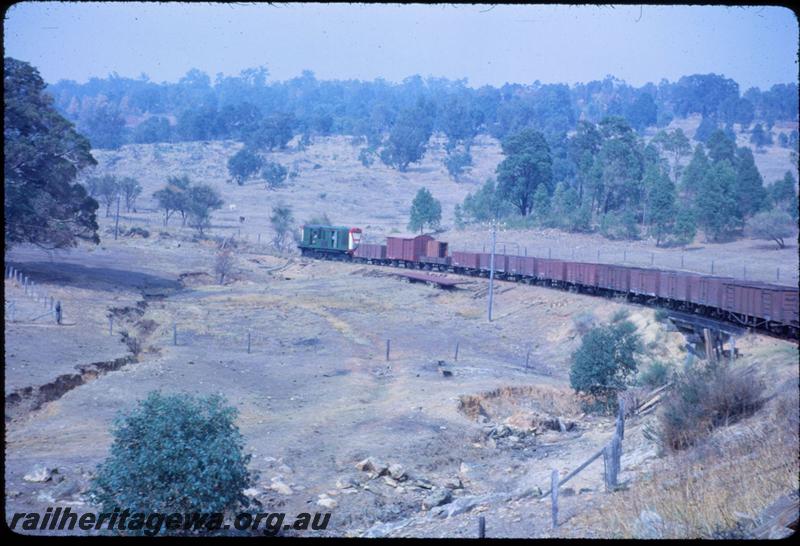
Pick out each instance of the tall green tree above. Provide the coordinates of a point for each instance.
(131, 189)
(749, 188)
(582, 148)
(274, 174)
(484, 205)
(106, 188)
(203, 200)
(425, 210)
(541, 205)
(677, 145)
(174, 197)
(408, 138)
(662, 207)
(759, 137)
(685, 227)
(42, 156)
(695, 172)
(527, 166)
(244, 164)
(721, 148)
(564, 207)
(621, 166)
(716, 202)
(783, 194)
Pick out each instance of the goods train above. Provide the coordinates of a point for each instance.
(761, 306)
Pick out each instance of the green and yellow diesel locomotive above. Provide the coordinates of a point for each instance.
(329, 241)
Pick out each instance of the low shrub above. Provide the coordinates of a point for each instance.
(174, 453)
(702, 399)
(620, 315)
(656, 375)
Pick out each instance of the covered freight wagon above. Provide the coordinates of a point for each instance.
(707, 290)
(751, 301)
(407, 249)
(675, 285)
(436, 249)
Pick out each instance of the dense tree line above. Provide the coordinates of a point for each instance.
(250, 108)
(627, 188)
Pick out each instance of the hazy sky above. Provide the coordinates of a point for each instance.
(486, 44)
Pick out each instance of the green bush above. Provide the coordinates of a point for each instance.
(620, 315)
(174, 453)
(605, 361)
(702, 399)
(656, 375)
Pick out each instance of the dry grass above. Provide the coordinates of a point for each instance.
(510, 401)
(734, 475)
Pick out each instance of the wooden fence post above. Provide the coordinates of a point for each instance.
(482, 527)
(174, 334)
(709, 346)
(248, 341)
(388, 346)
(456, 356)
(554, 496)
(620, 429)
(611, 455)
(527, 358)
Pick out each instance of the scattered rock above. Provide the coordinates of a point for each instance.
(397, 472)
(66, 489)
(437, 497)
(327, 502)
(391, 482)
(371, 465)
(46, 497)
(381, 529)
(423, 483)
(453, 483)
(279, 486)
(251, 492)
(40, 474)
(464, 469)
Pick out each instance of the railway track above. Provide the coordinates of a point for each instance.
(681, 310)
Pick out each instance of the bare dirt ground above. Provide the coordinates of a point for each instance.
(316, 395)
